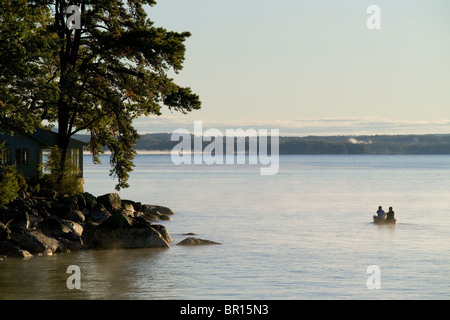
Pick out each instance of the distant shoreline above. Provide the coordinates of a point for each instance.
(433, 144)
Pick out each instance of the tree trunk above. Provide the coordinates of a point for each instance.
(63, 137)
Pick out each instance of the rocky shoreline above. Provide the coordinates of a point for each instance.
(45, 223)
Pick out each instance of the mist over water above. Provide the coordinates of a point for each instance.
(305, 233)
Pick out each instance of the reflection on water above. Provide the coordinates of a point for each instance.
(105, 274)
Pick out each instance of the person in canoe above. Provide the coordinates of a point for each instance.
(390, 215)
(381, 214)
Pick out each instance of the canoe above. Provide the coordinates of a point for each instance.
(377, 220)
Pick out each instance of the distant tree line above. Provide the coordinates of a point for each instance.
(369, 144)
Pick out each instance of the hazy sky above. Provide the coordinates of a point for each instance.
(312, 66)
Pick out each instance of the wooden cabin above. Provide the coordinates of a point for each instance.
(29, 151)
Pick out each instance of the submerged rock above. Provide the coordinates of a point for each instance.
(192, 241)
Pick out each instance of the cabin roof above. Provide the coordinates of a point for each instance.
(47, 138)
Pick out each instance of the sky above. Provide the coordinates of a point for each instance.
(311, 67)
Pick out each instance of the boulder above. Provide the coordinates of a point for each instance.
(35, 241)
(99, 214)
(128, 209)
(81, 202)
(69, 201)
(74, 215)
(43, 207)
(152, 209)
(138, 214)
(123, 231)
(90, 200)
(148, 209)
(7, 248)
(145, 237)
(60, 228)
(139, 222)
(4, 232)
(117, 221)
(66, 245)
(163, 232)
(137, 206)
(53, 226)
(75, 228)
(67, 213)
(164, 210)
(151, 216)
(111, 201)
(165, 217)
(19, 218)
(192, 241)
(88, 233)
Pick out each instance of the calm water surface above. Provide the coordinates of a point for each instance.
(305, 233)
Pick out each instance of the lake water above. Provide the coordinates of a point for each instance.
(305, 233)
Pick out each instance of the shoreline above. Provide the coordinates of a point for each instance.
(45, 223)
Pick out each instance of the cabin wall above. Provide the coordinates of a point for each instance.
(24, 153)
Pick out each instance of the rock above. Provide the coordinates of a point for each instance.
(111, 201)
(70, 202)
(139, 222)
(90, 200)
(9, 249)
(35, 241)
(19, 218)
(48, 193)
(4, 232)
(66, 245)
(137, 206)
(191, 241)
(88, 233)
(128, 204)
(148, 209)
(53, 226)
(163, 232)
(44, 223)
(122, 231)
(151, 217)
(43, 207)
(165, 210)
(81, 202)
(129, 238)
(65, 211)
(117, 221)
(165, 217)
(99, 214)
(74, 215)
(60, 228)
(152, 209)
(128, 207)
(138, 214)
(154, 213)
(74, 227)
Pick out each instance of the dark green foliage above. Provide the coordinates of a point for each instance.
(71, 183)
(98, 78)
